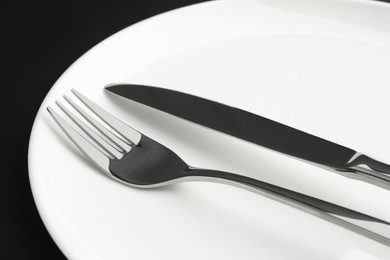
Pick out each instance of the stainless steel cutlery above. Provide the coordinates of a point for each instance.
(134, 159)
(261, 131)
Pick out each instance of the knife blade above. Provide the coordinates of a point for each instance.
(259, 130)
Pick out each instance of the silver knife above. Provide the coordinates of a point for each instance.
(259, 130)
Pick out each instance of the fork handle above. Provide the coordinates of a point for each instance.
(371, 227)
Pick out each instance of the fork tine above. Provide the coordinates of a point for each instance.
(121, 146)
(127, 133)
(85, 147)
(112, 152)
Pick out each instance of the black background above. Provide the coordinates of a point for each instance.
(40, 40)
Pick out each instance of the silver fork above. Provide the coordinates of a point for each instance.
(134, 159)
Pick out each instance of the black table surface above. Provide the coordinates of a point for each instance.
(42, 39)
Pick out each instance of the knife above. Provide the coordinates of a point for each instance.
(259, 130)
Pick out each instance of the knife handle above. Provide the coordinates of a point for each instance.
(364, 168)
(371, 163)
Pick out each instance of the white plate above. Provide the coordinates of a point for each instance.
(321, 66)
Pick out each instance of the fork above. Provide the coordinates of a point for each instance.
(134, 159)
